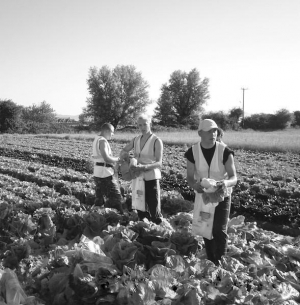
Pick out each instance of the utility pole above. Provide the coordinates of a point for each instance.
(244, 104)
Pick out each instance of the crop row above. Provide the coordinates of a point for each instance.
(41, 157)
(75, 155)
(51, 146)
(28, 196)
(245, 200)
(39, 169)
(268, 186)
(84, 192)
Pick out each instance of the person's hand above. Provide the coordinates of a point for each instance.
(198, 188)
(137, 168)
(116, 167)
(222, 184)
(124, 155)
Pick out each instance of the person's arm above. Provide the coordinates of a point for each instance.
(192, 182)
(158, 157)
(231, 171)
(104, 149)
(124, 152)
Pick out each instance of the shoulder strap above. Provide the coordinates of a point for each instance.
(156, 138)
(221, 149)
(196, 152)
(135, 139)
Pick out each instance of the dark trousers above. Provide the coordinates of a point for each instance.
(152, 198)
(217, 246)
(108, 193)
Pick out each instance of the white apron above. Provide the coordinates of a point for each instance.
(138, 193)
(203, 217)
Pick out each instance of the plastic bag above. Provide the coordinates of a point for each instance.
(138, 193)
(203, 217)
(125, 166)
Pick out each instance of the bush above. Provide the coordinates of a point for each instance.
(281, 119)
(265, 121)
(258, 121)
(10, 113)
(296, 121)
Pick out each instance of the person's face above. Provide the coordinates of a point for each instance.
(110, 133)
(144, 126)
(208, 137)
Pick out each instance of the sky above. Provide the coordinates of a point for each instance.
(48, 46)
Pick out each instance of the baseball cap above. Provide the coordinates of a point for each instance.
(207, 125)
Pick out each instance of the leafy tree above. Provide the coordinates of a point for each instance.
(296, 118)
(83, 119)
(39, 118)
(41, 113)
(182, 97)
(281, 119)
(220, 117)
(164, 112)
(116, 96)
(10, 114)
(236, 113)
(235, 116)
(84, 122)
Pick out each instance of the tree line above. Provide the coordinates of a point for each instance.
(281, 119)
(33, 119)
(118, 95)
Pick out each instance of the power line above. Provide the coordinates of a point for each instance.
(244, 103)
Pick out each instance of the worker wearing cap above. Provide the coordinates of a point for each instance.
(211, 159)
(106, 184)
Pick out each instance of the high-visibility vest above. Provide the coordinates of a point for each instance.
(216, 170)
(100, 171)
(146, 155)
(203, 214)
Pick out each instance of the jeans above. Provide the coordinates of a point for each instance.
(108, 193)
(217, 246)
(152, 197)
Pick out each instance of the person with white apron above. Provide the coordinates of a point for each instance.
(107, 189)
(148, 151)
(214, 160)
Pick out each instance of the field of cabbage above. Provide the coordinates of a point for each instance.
(57, 248)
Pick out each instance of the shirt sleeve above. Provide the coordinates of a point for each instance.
(227, 153)
(189, 155)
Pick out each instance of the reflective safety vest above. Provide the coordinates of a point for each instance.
(146, 155)
(100, 171)
(216, 170)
